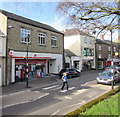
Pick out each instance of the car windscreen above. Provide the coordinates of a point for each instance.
(107, 74)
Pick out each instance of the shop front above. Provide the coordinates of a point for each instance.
(38, 66)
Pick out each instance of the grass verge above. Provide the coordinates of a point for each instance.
(85, 107)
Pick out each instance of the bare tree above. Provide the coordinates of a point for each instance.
(93, 16)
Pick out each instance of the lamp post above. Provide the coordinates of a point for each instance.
(112, 83)
(27, 72)
(6, 57)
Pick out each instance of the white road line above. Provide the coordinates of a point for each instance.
(55, 112)
(51, 87)
(68, 97)
(11, 94)
(26, 101)
(79, 91)
(82, 101)
(68, 89)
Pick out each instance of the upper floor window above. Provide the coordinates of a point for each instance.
(99, 47)
(42, 38)
(25, 35)
(108, 48)
(85, 40)
(114, 49)
(91, 41)
(54, 41)
(99, 55)
(109, 55)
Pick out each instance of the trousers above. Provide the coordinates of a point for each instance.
(65, 83)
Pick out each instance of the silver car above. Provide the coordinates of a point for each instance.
(107, 76)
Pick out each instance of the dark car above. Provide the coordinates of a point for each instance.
(71, 72)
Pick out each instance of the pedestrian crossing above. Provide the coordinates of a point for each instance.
(57, 87)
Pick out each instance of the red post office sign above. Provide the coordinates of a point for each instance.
(11, 53)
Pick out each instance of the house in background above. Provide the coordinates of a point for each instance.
(40, 43)
(83, 46)
(103, 53)
(71, 60)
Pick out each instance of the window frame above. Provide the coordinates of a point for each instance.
(41, 37)
(53, 41)
(109, 48)
(24, 32)
(99, 47)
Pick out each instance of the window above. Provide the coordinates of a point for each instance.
(100, 56)
(99, 47)
(42, 38)
(85, 40)
(25, 36)
(114, 49)
(109, 55)
(91, 41)
(54, 41)
(108, 48)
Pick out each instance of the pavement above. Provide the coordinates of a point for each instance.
(32, 84)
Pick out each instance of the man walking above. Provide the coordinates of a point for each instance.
(65, 80)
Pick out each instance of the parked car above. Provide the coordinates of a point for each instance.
(113, 67)
(109, 76)
(71, 72)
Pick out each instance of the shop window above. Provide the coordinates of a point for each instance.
(25, 35)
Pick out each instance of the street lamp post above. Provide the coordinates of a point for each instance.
(112, 83)
(27, 72)
(6, 58)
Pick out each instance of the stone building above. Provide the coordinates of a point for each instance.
(24, 41)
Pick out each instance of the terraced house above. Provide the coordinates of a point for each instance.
(82, 45)
(26, 41)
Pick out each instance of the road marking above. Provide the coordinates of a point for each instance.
(85, 84)
(79, 91)
(26, 101)
(68, 90)
(50, 87)
(82, 101)
(11, 94)
(55, 112)
(68, 97)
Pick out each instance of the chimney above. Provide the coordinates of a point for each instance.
(102, 37)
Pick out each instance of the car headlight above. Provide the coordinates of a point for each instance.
(97, 78)
(109, 79)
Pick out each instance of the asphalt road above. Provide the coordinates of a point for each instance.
(50, 100)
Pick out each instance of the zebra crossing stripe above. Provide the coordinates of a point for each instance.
(50, 87)
(68, 89)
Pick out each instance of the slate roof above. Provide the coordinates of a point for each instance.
(99, 41)
(69, 53)
(29, 21)
(74, 31)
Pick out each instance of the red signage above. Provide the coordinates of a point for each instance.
(30, 61)
(11, 53)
